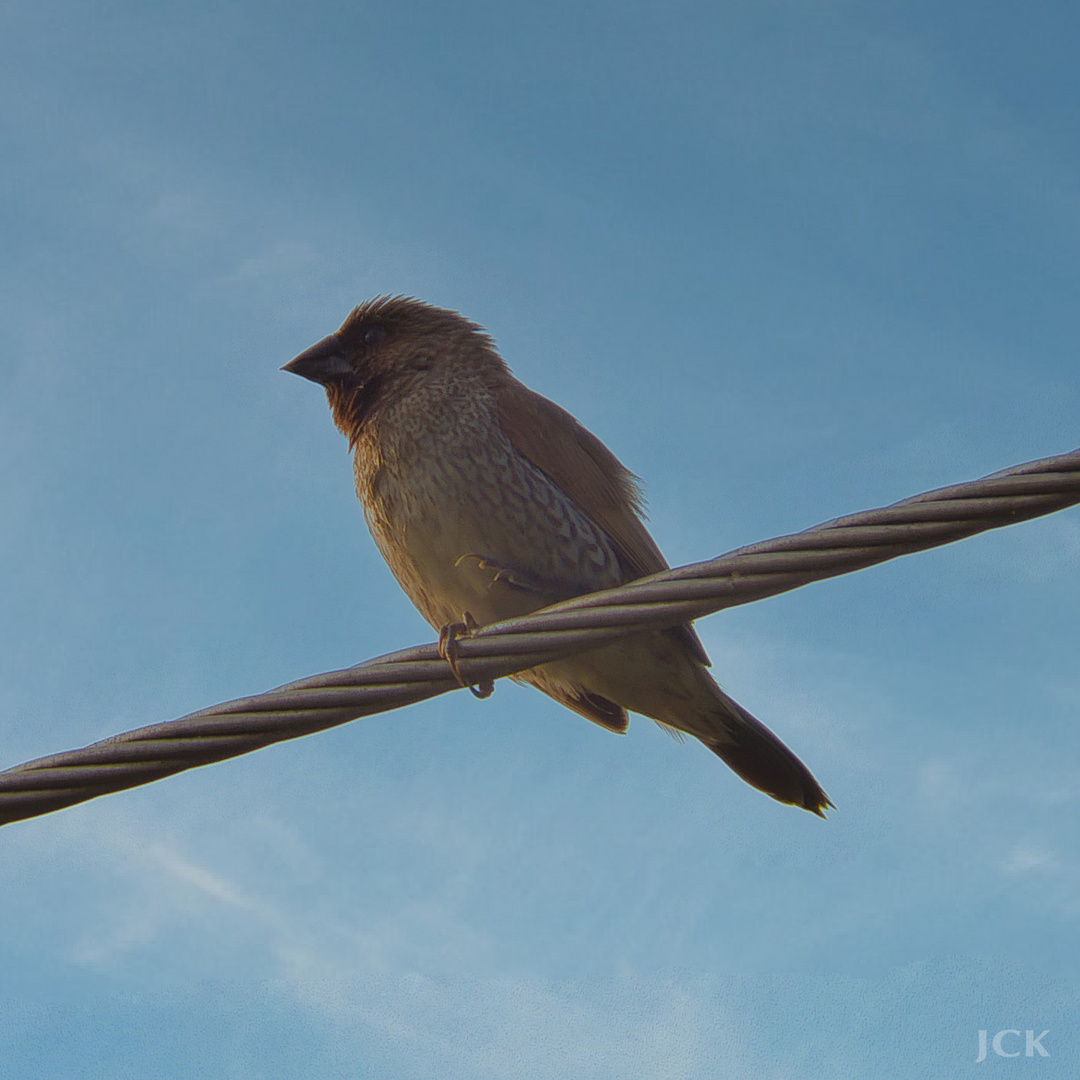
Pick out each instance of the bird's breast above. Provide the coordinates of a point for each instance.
(466, 523)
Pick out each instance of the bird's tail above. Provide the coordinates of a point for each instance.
(656, 674)
(748, 747)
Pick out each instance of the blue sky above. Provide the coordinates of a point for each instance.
(789, 261)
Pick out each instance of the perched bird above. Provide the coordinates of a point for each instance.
(489, 501)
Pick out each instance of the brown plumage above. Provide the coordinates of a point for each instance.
(487, 499)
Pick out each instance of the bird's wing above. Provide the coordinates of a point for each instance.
(600, 710)
(583, 468)
(598, 484)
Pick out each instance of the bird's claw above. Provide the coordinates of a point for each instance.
(517, 579)
(449, 636)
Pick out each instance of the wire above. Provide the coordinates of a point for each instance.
(586, 622)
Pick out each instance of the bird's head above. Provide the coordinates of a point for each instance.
(386, 347)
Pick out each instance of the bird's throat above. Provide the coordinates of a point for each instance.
(352, 405)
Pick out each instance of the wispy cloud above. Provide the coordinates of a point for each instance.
(356, 975)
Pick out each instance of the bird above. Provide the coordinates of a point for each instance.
(489, 501)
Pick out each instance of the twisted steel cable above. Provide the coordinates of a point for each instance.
(586, 622)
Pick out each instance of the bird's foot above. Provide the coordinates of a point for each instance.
(511, 575)
(449, 636)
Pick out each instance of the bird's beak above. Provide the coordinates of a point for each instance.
(323, 363)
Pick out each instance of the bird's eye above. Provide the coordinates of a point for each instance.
(372, 336)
